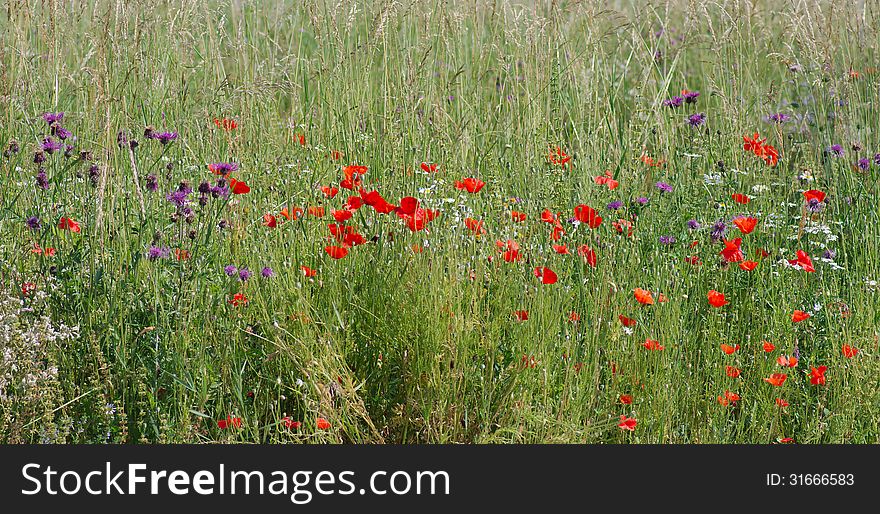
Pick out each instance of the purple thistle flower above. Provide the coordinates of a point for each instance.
(828, 254)
(223, 168)
(152, 183)
(49, 145)
(230, 270)
(695, 120)
(165, 137)
(33, 223)
(691, 96)
(663, 187)
(779, 117)
(814, 205)
(667, 240)
(39, 157)
(864, 164)
(244, 274)
(61, 132)
(204, 188)
(42, 180)
(718, 231)
(673, 102)
(836, 150)
(693, 224)
(52, 117)
(616, 204)
(158, 252)
(178, 197)
(877, 159)
(642, 200)
(267, 272)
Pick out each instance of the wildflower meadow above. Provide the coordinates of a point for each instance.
(439, 221)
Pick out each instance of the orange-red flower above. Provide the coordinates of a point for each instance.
(849, 351)
(799, 316)
(643, 297)
(717, 299)
(69, 224)
(546, 275)
(732, 371)
(653, 345)
(746, 224)
(776, 379)
(471, 185)
(817, 375)
(627, 423)
(726, 348)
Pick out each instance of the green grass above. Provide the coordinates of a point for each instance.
(390, 345)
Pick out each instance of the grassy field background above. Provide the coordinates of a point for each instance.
(413, 336)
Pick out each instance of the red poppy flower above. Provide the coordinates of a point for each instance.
(238, 299)
(322, 424)
(799, 316)
(849, 351)
(653, 345)
(301, 139)
(226, 124)
(475, 226)
(316, 211)
(693, 260)
(717, 299)
(626, 399)
(330, 191)
(746, 224)
(586, 214)
(627, 423)
(574, 317)
(607, 180)
(336, 252)
(732, 371)
(627, 322)
(521, 315)
(291, 424)
(770, 155)
(429, 168)
(588, 255)
(229, 422)
(181, 254)
(69, 224)
(293, 214)
(471, 185)
(518, 216)
(546, 275)
(761, 253)
(726, 348)
(731, 251)
(238, 187)
(269, 220)
(787, 362)
(621, 225)
(558, 157)
(308, 272)
(768, 346)
(643, 297)
(776, 379)
(782, 403)
(561, 249)
(728, 398)
(753, 144)
(817, 375)
(814, 194)
(803, 261)
(748, 265)
(741, 198)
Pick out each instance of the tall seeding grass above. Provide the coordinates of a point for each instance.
(412, 337)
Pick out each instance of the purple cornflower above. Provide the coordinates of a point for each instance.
(695, 120)
(52, 117)
(864, 164)
(693, 224)
(165, 137)
(42, 180)
(779, 117)
(691, 96)
(814, 205)
(204, 188)
(667, 240)
(877, 159)
(158, 252)
(616, 204)
(642, 200)
(673, 102)
(267, 272)
(223, 168)
(178, 197)
(152, 183)
(663, 187)
(718, 230)
(836, 150)
(828, 254)
(49, 145)
(244, 274)
(230, 270)
(33, 223)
